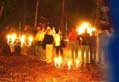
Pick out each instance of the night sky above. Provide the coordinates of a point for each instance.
(23, 11)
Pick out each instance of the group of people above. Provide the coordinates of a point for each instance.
(46, 41)
(86, 44)
(93, 47)
(50, 42)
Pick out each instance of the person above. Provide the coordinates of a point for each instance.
(73, 43)
(93, 45)
(48, 46)
(103, 42)
(85, 47)
(57, 41)
(39, 43)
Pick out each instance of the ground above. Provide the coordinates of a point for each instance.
(31, 69)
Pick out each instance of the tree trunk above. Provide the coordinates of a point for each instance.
(1, 10)
(36, 14)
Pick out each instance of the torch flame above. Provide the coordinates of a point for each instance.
(13, 38)
(8, 38)
(22, 39)
(30, 39)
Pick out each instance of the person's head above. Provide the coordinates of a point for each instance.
(86, 31)
(57, 31)
(93, 33)
(73, 29)
(39, 28)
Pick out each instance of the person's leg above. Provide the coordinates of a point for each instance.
(76, 51)
(91, 54)
(49, 52)
(57, 50)
(61, 51)
(94, 54)
(82, 54)
(41, 52)
(72, 49)
(87, 53)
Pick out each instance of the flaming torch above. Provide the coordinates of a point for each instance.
(13, 38)
(30, 40)
(22, 39)
(8, 38)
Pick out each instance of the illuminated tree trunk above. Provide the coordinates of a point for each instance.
(36, 14)
(1, 10)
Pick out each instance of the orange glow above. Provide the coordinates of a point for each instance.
(30, 40)
(8, 38)
(22, 39)
(85, 26)
(55, 61)
(77, 63)
(58, 61)
(13, 38)
(69, 63)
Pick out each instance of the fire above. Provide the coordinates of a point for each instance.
(77, 63)
(85, 26)
(22, 39)
(69, 63)
(55, 61)
(30, 40)
(12, 39)
(8, 38)
(58, 61)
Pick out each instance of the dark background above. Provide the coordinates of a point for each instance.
(23, 11)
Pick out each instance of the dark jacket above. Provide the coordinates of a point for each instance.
(48, 39)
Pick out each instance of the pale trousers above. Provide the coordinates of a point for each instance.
(49, 53)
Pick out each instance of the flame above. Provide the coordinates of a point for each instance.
(13, 38)
(22, 39)
(30, 40)
(77, 63)
(69, 63)
(58, 61)
(55, 61)
(8, 38)
(85, 26)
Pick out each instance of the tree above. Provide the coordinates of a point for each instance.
(36, 14)
(1, 10)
